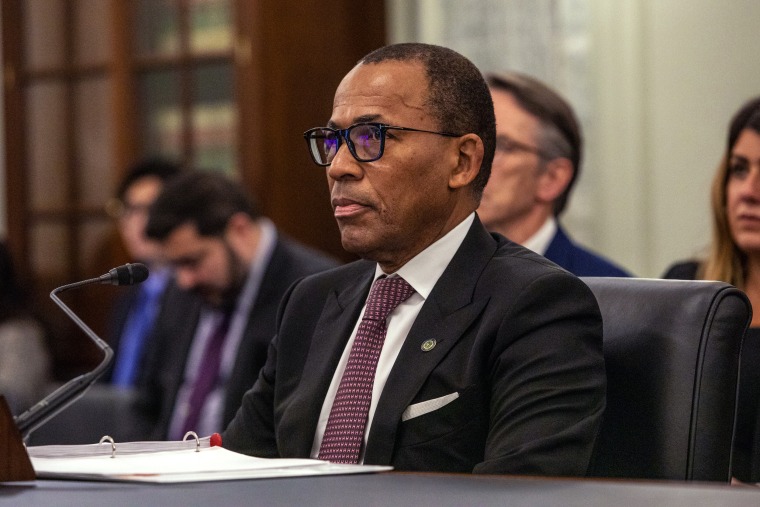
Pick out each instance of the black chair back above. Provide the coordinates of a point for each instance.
(672, 352)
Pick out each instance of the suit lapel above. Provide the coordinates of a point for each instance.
(260, 323)
(445, 315)
(339, 315)
(560, 250)
(259, 320)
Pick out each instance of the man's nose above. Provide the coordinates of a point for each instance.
(185, 278)
(344, 164)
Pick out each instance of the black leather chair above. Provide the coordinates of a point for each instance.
(672, 353)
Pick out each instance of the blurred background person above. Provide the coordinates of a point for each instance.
(734, 257)
(137, 306)
(24, 356)
(231, 268)
(537, 162)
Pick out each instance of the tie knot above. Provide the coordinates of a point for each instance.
(385, 296)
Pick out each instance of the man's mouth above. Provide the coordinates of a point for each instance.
(343, 208)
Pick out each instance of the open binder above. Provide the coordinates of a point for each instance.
(192, 460)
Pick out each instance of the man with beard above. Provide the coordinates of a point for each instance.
(231, 268)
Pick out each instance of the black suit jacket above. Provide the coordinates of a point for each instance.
(518, 338)
(684, 270)
(172, 340)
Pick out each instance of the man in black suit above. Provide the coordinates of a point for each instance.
(231, 269)
(493, 363)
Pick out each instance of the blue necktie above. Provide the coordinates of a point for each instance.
(139, 324)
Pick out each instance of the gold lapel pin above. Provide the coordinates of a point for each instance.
(428, 345)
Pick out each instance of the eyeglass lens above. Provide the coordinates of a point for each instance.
(365, 142)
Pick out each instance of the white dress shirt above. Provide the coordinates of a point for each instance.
(543, 237)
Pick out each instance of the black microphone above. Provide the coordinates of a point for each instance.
(71, 391)
(128, 274)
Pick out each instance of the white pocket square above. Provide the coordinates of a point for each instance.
(425, 407)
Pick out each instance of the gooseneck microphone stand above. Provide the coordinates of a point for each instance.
(71, 391)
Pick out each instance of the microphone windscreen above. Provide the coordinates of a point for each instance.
(129, 274)
(138, 273)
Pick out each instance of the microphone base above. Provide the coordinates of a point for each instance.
(14, 461)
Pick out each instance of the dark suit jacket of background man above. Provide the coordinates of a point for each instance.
(176, 326)
(519, 339)
(579, 261)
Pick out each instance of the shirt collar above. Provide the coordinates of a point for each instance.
(423, 270)
(267, 240)
(541, 240)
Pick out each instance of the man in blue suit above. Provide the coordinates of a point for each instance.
(537, 161)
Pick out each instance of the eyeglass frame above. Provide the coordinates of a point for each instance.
(344, 135)
(519, 146)
(119, 209)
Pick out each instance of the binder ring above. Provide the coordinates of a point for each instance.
(113, 445)
(195, 436)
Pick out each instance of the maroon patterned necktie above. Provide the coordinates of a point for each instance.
(344, 433)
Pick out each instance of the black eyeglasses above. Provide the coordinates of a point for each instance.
(508, 145)
(116, 208)
(366, 141)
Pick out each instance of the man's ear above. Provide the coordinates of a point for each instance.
(469, 158)
(237, 222)
(242, 234)
(237, 229)
(554, 179)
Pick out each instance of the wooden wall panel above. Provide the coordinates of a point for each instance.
(297, 58)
